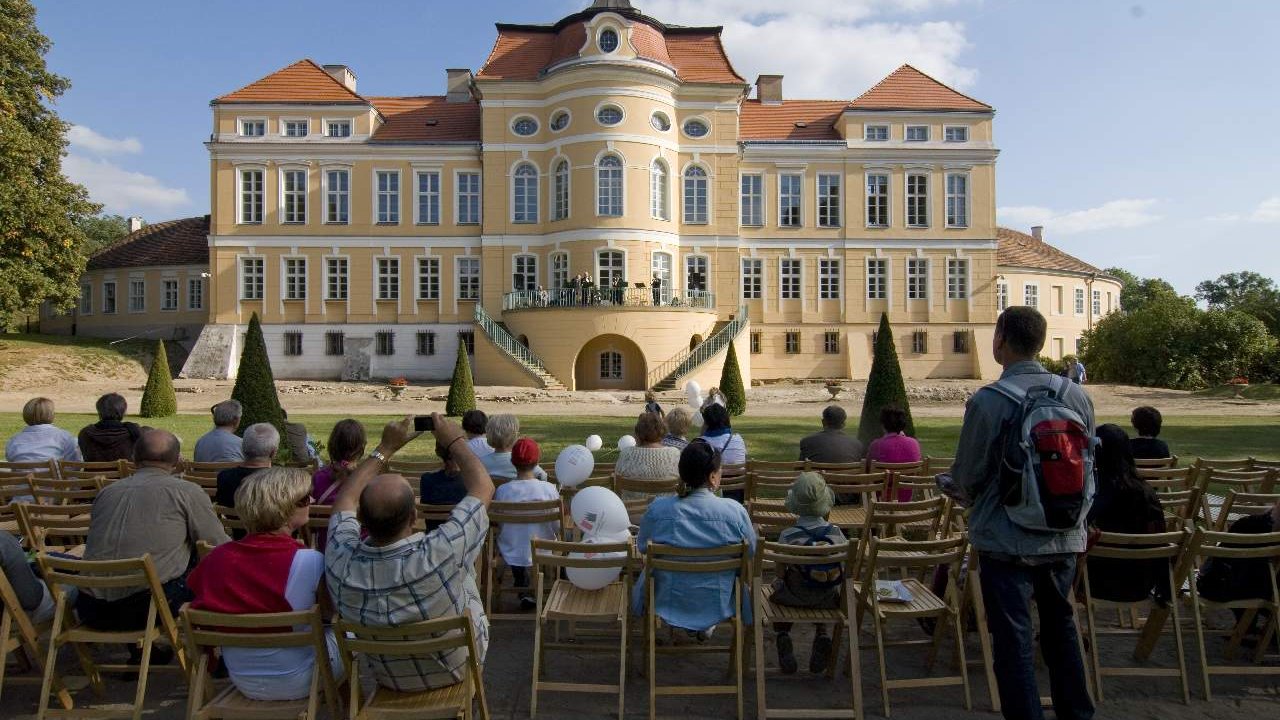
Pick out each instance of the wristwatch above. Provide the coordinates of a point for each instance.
(379, 456)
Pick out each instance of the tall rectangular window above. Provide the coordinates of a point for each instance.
(251, 278)
(1097, 303)
(1031, 295)
(137, 295)
(791, 342)
(195, 294)
(336, 278)
(109, 297)
(428, 198)
(169, 295)
(755, 343)
(387, 183)
(790, 200)
(334, 343)
(877, 200)
(790, 278)
(1079, 301)
(295, 278)
(468, 278)
(468, 198)
(957, 200)
(426, 343)
(695, 272)
(752, 200)
(960, 342)
(295, 128)
(877, 279)
(429, 278)
(560, 190)
(752, 278)
(828, 279)
(1002, 296)
(831, 342)
(86, 299)
(957, 279)
(524, 194)
(389, 278)
(293, 188)
(384, 343)
(525, 277)
(829, 200)
(659, 191)
(611, 267)
(917, 200)
(695, 196)
(609, 187)
(920, 342)
(917, 279)
(467, 339)
(251, 197)
(559, 270)
(337, 197)
(338, 128)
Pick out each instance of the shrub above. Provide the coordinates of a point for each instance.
(158, 399)
(884, 386)
(255, 386)
(735, 395)
(462, 394)
(1057, 367)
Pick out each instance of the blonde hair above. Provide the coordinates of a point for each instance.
(266, 499)
(679, 420)
(38, 411)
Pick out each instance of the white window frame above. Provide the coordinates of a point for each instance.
(330, 276)
(702, 265)
(1002, 296)
(477, 196)
(963, 130)
(877, 282)
(330, 193)
(561, 188)
(751, 203)
(866, 132)
(909, 196)
(241, 194)
(558, 277)
(378, 193)
(195, 291)
(668, 274)
(283, 125)
(165, 284)
(966, 199)
(786, 278)
(684, 124)
(328, 130)
(293, 285)
(537, 126)
(110, 301)
(432, 197)
(386, 285)
(141, 297)
(615, 370)
(798, 195)
(427, 269)
(660, 190)
(609, 104)
(834, 204)
(469, 280)
(830, 278)
(301, 196)
(1079, 301)
(621, 198)
(917, 281)
(530, 278)
(1097, 303)
(600, 268)
(242, 276)
(757, 264)
(85, 305)
(907, 130)
(887, 195)
(1031, 295)
(957, 282)
(689, 211)
(529, 185)
(241, 121)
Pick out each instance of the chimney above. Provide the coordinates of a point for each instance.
(342, 74)
(769, 89)
(135, 224)
(459, 85)
(1037, 232)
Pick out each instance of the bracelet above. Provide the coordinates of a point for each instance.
(449, 447)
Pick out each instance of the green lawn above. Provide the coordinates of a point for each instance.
(1264, 391)
(767, 438)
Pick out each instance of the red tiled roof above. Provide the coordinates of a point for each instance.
(1017, 249)
(174, 242)
(778, 122)
(407, 119)
(909, 89)
(699, 56)
(301, 82)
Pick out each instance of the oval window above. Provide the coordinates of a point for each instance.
(560, 120)
(660, 122)
(609, 40)
(525, 126)
(696, 129)
(609, 115)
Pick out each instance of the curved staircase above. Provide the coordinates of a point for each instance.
(509, 346)
(668, 375)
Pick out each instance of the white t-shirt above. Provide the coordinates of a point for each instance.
(513, 540)
(480, 446)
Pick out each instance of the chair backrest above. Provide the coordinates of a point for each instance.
(204, 630)
(430, 638)
(207, 468)
(433, 514)
(762, 485)
(723, 559)
(525, 513)
(935, 465)
(647, 487)
(1244, 503)
(114, 469)
(1145, 546)
(61, 573)
(902, 468)
(50, 491)
(594, 480)
(776, 466)
(1257, 464)
(1251, 481)
(1214, 544)
(769, 517)
(886, 553)
(886, 518)
(1203, 465)
(733, 478)
(208, 483)
(230, 519)
(863, 485)
(824, 468)
(54, 527)
(1163, 479)
(922, 487)
(559, 554)
(1169, 462)
(413, 469)
(44, 468)
(1178, 503)
(777, 554)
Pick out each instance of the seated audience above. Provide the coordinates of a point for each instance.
(719, 434)
(833, 444)
(696, 518)
(259, 445)
(678, 422)
(895, 446)
(346, 447)
(502, 431)
(156, 512)
(513, 539)
(808, 586)
(111, 438)
(40, 439)
(33, 595)
(1148, 445)
(1227, 579)
(651, 403)
(267, 572)
(444, 486)
(1124, 503)
(397, 576)
(650, 458)
(475, 423)
(221, 444)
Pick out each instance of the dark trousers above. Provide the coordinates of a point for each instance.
(129, 613)
(1007, 590)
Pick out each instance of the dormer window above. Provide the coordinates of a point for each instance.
(253, 128)
(338, 128)
(295, 128)
(609, 40)
(525, 126)
(609, 115)
(876, 133)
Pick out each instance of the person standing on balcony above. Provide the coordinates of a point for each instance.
(657, 290)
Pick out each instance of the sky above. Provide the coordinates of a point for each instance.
(1143, 135)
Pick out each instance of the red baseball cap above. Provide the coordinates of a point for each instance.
(525, 452)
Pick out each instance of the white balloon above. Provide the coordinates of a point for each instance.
(594, 578)
(594, 443)
(574, 466)
(599, 513)
(692, 389)
(696, 419)
(696, 403)
(626, 441)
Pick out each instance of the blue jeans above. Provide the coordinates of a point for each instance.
(1007, 589)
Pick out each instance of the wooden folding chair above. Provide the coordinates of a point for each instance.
(39, 468)
(895, 470)
(922, 487)
(1239, 504)
(1145, 463)
(768, 486)
(56, 491)
(208, 483)
(1133, 550)
(1237, 546)
(230, 520)
(512, 513)
(733, 482)
(85, 575)
(566, 602)
(1180, 504)
(1164, 479)
(665, 559)
(637, 495)
(432, 516)
(767, 611)
(922, 518)
(824, 468)
(20, 635)
(55, 528)
(204, 632)
(207, 469)
(413, 469)
(935, 465)
(924, 556)
(14, 491)
(419, 642)
(854, 493)
(112, 470)
(1214, 484)
(777, 467)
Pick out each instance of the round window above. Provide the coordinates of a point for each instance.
(660, 122)
(560, 120)
(609, 40)
(696, 129)
(609, 115)
(525, 126)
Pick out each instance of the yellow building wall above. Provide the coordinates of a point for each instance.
(1065, 325)
(153, 320)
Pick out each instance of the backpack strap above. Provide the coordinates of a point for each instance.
(816, 534)
(1011, 390)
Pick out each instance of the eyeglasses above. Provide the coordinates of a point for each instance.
(714, 450)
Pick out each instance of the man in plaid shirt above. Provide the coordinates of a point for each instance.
(397, 576)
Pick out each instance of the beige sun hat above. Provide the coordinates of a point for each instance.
(810, 496)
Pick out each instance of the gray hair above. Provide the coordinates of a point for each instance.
(260, 441)
(502, 431)
(227, 412)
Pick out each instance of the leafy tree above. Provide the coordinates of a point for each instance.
(884, 386)
(462, 393)
(103, 231)
(255, 386)
(158, 399)
(1230, 343)
(735, 394)
(1136, 292)
(1247, 292)
(41, 244)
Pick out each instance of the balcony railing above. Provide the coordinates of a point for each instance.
(593, 297)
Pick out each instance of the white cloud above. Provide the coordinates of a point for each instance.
(1265, 212)
(830, 50)
(120, 190)
(1127, 213)
(87, 139)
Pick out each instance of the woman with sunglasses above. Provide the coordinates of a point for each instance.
(267, 571)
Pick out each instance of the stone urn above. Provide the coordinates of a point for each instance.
(835, 389)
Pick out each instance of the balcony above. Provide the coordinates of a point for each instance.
(613, 299)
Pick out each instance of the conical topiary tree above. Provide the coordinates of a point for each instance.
(462, 394)
(158, 399)
(884, 386)
(735, 394)
(255, 387)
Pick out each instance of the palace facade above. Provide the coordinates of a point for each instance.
(607, 204)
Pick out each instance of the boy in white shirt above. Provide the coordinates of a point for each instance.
(514, 540)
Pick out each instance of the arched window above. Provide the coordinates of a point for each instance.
(695, 195)
(524, 201)
(609, 186)
(561, 191)
(659, 195)
(610, 365)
